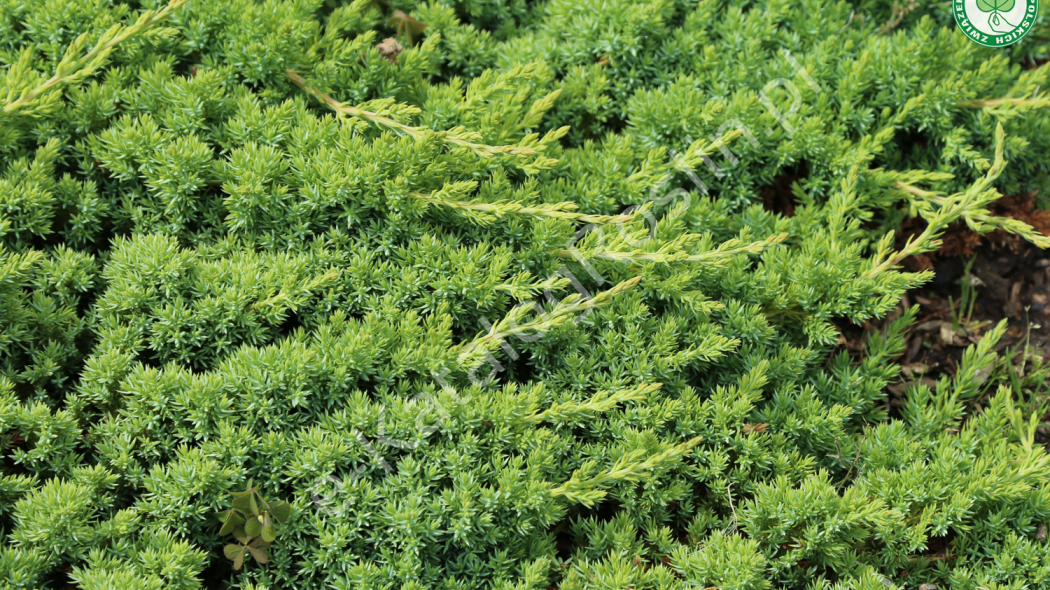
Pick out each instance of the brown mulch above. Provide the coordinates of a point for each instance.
(961, 241)
(1011, 279)
(1010, 283)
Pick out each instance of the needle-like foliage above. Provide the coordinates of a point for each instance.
(502, 294)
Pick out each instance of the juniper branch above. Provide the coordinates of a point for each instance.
(667, 254)
(488, 212)
(601, 402)
(1036, 102)
(473, 351)
(290, 296)
(968, 205)
(627, 468)
(519, 288)
(978, 218)
(733, 247)
(456, 137)
(72, 69)
(656, 169)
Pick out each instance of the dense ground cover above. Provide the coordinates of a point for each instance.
(504, 294)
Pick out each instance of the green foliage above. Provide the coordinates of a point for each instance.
(253, 522)
(506, 310)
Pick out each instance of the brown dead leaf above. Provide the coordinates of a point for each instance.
(930, 326)
(389, 49)
(754, 428)
(949, 336)
(915, 368)
(1013, 306)
(914, 348)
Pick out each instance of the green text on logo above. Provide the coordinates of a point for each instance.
(995, 23)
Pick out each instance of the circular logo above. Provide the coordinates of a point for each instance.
(995, 23)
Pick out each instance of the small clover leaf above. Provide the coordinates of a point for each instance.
(253, 522)
(995, 5)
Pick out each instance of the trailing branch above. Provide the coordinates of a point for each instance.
(969, 206)
(628, 468)
(671, 252)
(1035, 102)
(474, 351)
(601, 402)
(73, 69)
(488, 212)
(457, 137)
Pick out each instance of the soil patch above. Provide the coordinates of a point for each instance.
(978, 282)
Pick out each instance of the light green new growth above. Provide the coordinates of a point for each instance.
(1024, 97)
(514, 322)
(658, 167)
(976, 218)
(675, 250)
(602, 401)
(291, 296)
(587, 490)
(970, 206)
(522, 286)
(488, 212)
(1034, 102)
(530, 146)
(75, 67)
